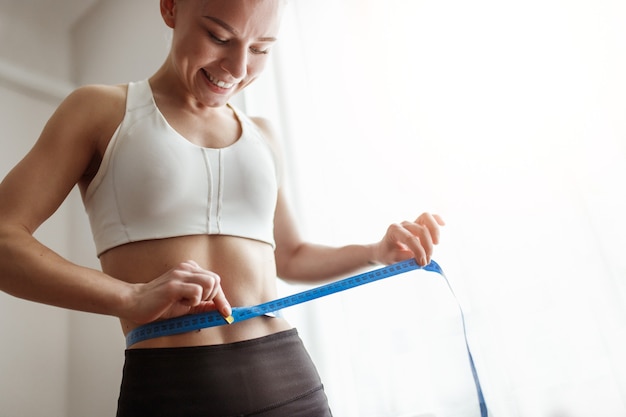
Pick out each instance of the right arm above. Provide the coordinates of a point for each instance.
(68, 146)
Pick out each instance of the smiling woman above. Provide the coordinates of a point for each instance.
(186, 199)
(506, 117)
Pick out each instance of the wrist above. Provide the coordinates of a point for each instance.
(126, 302)
(373, 257)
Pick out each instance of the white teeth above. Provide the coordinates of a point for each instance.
(219, 83)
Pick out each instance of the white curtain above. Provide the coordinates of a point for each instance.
(508, 118)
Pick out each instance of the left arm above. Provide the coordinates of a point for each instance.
(299, 260)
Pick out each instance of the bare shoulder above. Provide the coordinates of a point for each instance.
(97, 102)
(266, 127)
(90, 113)
(96, 95)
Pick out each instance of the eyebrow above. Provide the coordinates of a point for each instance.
(235, 31)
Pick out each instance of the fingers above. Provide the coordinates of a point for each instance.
(418, 237)
(421, 240)
(413, 238)
(200, 286)
(439, 220)
(221, 304)
(432, 223)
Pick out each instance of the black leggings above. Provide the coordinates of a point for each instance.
(272, 376)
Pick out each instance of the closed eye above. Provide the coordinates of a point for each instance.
(217, 39)
(258, 51)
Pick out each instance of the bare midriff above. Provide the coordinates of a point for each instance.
(246, 267)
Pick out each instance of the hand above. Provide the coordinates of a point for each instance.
(410, 240)
(185, 289)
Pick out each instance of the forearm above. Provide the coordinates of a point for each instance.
(315, 263)
(31, 271)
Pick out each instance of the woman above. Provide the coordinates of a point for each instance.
(187, 207)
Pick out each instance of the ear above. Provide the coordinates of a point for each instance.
(168, 12)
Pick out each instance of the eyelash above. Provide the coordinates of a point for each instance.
(260, 51)
(221, 41)
(217, 39)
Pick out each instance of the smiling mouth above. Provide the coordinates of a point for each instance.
(216, 82)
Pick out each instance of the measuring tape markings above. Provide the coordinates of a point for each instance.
(184, 324)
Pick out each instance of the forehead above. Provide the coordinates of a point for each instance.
(255, 18)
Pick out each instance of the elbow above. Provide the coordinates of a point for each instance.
(286, 263)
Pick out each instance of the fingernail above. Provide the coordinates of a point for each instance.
(423, 262)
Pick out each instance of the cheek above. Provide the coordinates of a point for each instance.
(256, 66)
(192, 48)
(200, 53)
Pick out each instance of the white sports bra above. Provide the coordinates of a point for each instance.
(153, 183)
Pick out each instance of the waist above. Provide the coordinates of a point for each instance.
(255, 328)
(247, 273)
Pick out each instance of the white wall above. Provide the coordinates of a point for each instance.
(38, 45)
(33, 351)
(53, 362)
(119, 41)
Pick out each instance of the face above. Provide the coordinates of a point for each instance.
(220, 46)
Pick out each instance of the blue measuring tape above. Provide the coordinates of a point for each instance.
(208, 319)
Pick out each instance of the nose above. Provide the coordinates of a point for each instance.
(235, 62)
